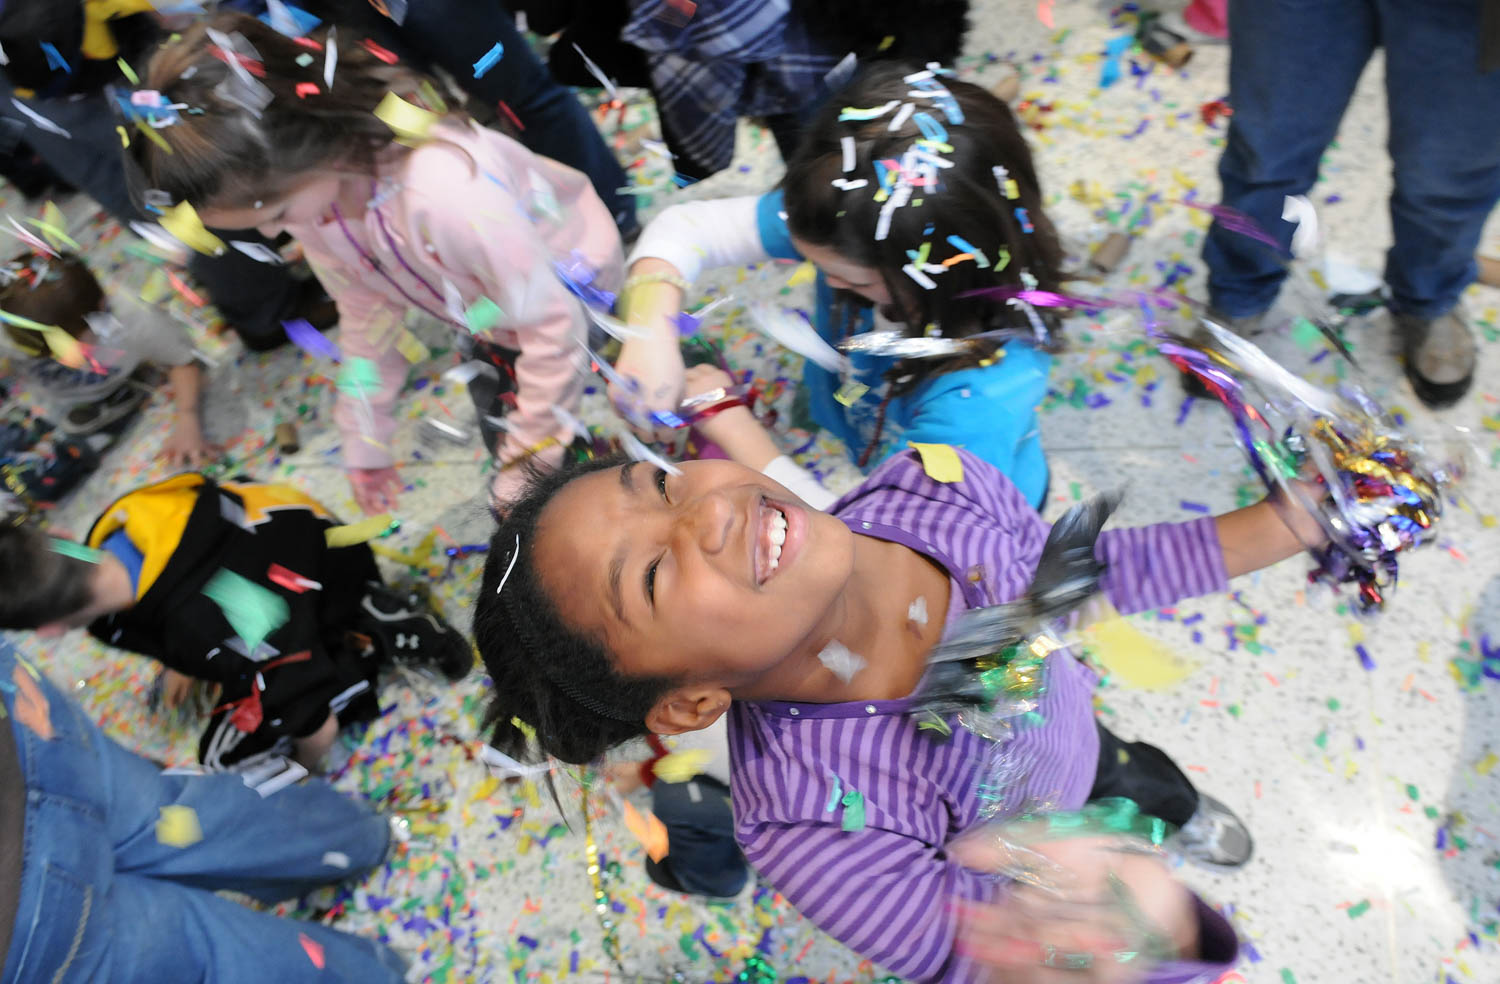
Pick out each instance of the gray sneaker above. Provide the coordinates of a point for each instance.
(1246, 326)
(1213, 836)
(1439, 354)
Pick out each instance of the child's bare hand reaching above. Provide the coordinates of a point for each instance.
(657, 370)
(1094, 899)
(375, 489)
(186, 446)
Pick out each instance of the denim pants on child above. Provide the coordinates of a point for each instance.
(114, 887)
(1293, 67)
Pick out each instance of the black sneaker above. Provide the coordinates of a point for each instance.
(407, 632)
(1213, 836)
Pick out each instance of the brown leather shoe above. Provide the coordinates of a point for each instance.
(1439, 355)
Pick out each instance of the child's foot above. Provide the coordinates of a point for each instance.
(1213, 836)
(407, 632)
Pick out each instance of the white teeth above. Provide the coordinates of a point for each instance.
(776, 536)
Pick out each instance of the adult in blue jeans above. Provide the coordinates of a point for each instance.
(101, 880)
(1292, 69)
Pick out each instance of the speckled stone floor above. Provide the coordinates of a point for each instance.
(1370, 784)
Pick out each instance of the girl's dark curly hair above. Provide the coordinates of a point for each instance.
(969, 204)
(545, 673)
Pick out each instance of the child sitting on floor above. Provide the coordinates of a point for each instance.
(910, 190)
(624, 600)
(88, 372)
(233, 583)
(397, 206)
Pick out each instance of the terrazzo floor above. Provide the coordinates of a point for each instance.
(1369, 782)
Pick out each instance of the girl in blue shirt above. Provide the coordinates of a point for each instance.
(910, 190)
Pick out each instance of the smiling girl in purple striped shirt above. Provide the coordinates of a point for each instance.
(622, 600)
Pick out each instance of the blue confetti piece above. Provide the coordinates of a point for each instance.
(490, 60)
(835, 796)
(1025, 220)
(1196, 507)
(1364, 657)
(55, 60)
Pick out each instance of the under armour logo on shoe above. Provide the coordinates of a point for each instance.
(407, 641)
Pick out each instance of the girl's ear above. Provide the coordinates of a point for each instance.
(687, 709)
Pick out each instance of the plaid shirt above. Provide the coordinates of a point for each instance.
(732, 58)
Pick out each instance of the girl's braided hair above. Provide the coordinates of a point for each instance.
(545, 673)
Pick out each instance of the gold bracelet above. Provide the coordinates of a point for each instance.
(656, 277)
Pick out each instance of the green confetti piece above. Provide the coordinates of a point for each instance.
(77, 551)
(1412, 791)
(1234, 710)
(1306, 335)
(1333, 703)
(1287, 977)
(360, 378)
(854, 811)
(252, 611)
(483, 315)
(1359, 909)
(1322, 740)
(127, 71)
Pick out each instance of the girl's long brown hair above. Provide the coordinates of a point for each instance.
(225, 156)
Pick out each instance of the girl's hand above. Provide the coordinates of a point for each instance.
(175, 688)
(1107, 901)
(375, 489)
(656, 368)
(185, 446)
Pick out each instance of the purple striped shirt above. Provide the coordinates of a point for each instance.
(883, 890)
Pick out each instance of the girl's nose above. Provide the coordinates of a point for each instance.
(708, 520)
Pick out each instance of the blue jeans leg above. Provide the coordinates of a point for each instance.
(703, 857)
(457, 33)
(1293, 65)
(101, 899)
(1445, 146)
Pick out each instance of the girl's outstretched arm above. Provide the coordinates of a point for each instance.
(1273, 529)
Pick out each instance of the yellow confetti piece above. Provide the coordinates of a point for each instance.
(940, 461)
(156, 288)
(1487, 764)
(1356, 632)
(648, 829)
(65, 348)
(682, 766)
(361, 532)
(485, 789)
(1133, 658)
(411, 347)
(410, 122)
(153, 136)
(178, 827)
(805, 273)
(53, 225)
(182, 221)
(124, 137)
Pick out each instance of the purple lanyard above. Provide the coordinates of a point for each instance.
(379, 268)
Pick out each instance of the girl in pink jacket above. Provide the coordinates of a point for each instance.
(398, 204)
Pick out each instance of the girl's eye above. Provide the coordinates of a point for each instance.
(661, 484)
(651, 582)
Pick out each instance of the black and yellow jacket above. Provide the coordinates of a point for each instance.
(187, 529)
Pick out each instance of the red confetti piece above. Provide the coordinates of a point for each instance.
(510, 114)
(290, 580)
(314, 949)
(305, 89)
(389, 57)
(308, 43)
